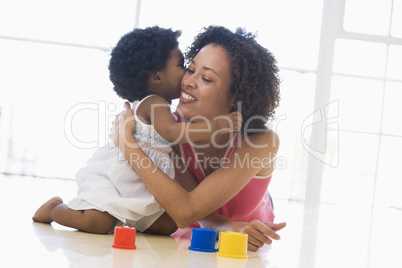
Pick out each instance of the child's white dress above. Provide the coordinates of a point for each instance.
(109, 183)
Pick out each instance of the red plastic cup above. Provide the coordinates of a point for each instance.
(124, 237)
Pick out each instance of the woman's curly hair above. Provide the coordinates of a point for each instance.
(255, 76)
(138, 54)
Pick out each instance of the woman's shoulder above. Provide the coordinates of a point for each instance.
(263, 141)
(266, 136)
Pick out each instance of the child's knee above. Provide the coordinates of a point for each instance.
(164, 225)
(99, 222)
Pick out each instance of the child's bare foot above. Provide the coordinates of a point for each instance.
(43, 213)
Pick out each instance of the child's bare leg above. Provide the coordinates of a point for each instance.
(164, 225)
(90, 220)
(43, 213)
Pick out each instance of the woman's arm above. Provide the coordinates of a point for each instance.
(158, 111)
(259, 233)
(186, 207)
(182, 176)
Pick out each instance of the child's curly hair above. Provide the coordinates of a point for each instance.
(255, 76)
(138, 54)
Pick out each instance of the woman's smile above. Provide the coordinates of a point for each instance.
(186, 98)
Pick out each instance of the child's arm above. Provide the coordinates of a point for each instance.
(165, 123)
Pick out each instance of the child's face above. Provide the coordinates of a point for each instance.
(172, 75)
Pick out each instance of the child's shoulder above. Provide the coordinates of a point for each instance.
(151, 102)
(153, 99)
(147, 106)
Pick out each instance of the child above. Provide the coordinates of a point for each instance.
(146, 67)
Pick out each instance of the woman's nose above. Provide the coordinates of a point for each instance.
(188, 81)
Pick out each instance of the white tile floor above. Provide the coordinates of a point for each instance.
(329, 236)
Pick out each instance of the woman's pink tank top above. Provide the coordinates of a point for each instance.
(251, 203)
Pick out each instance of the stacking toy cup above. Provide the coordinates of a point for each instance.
(233, 245)
(124, 237)
(203, 239)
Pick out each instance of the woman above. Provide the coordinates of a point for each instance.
(227, 72)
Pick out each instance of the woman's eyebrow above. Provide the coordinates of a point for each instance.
(207, 68)
(210, 69)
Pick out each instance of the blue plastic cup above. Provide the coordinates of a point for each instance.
(203, 239)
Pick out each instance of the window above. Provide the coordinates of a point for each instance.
(54, 59)
(366, 82)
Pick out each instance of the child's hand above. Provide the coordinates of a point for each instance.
(229, 123)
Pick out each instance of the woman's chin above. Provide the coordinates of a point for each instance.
(183, 110)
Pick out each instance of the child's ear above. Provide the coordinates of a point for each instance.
(155, 78)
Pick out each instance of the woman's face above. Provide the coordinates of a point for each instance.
(205, 87)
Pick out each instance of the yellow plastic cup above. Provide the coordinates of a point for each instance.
(233, 245)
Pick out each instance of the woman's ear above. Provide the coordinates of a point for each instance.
(155, 78)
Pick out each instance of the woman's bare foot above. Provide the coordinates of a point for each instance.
(43, 213)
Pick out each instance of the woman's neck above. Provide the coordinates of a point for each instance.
(217, 140)
(210, 152)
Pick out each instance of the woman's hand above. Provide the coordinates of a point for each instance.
(260, 233)
(123, 127)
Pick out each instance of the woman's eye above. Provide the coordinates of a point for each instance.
(206, 80)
